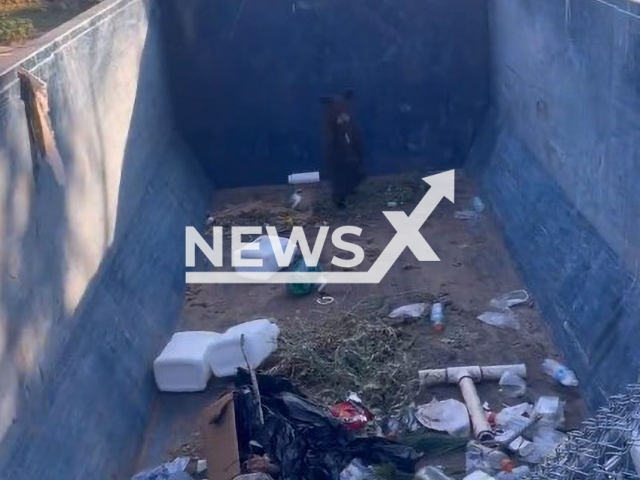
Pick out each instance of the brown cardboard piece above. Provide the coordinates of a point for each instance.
(220, 439)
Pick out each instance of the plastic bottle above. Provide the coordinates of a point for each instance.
(562, 374)
(499, 461)
(437, 317)
(478, 205)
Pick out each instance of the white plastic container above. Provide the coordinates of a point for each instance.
(225, 354)
(306, 177)
(263, 251)
(183, 365)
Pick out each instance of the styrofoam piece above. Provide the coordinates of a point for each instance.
(261, 340)
(306, 177)
(183, 365)
(261, 249)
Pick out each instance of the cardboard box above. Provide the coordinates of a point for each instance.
(220, 439)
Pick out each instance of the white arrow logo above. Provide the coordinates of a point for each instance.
(407, 236)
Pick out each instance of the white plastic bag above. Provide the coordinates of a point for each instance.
(504, 319)
(551, 409)
(415, 310)
(513, 417)
(449, 416)
(510, 299)
(512, 384)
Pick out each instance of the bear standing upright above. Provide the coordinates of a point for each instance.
(343, 151)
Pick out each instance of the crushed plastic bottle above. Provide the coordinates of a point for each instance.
(560, 373)
(437, 317)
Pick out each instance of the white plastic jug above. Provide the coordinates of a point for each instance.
(260, 340)
(183, 365)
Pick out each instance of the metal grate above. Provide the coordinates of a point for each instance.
(607, 446)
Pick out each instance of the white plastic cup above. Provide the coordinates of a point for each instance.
(306, 177)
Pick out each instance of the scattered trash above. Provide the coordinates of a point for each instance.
(512, 384)
(304, 439)
(392, 204)
(479, 475)
(357, 470)
(431, 473)
(210, 220)
(521, 446)
(466, 377)
(449, 416)
(437, 317)
(302, 289)
(545, 440)
(352, 413)
(261, 340)
(325, 300)
(510, 299)
(504, 319)
(560, 373)
(480, 457)
(517, 473)
(164, 471)
(183, 365)
(415, 310)
(550, 410)
(478, 205)
(510, 415)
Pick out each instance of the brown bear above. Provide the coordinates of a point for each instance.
(343, 151)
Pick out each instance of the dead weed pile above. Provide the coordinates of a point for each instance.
(353, 351)
(262, 213)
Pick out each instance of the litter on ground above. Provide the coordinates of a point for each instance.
(335, 390)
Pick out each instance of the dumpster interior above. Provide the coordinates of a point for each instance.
(164, 115)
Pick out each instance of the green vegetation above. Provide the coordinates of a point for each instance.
(15, 29)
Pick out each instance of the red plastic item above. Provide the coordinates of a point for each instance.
(353, 415)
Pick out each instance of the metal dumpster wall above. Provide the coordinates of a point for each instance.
(247, 77)
(560, 165)
(91, 272)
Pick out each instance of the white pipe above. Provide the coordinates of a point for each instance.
(306, 177)
(438, 376)
(481, 427)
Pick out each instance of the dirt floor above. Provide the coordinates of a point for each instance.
(329, 350)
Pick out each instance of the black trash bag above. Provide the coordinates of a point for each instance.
(269, 385)
(302, 438)
(374, 450)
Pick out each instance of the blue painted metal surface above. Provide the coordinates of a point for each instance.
(586, 295)
(76, 389)
(247, 77)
